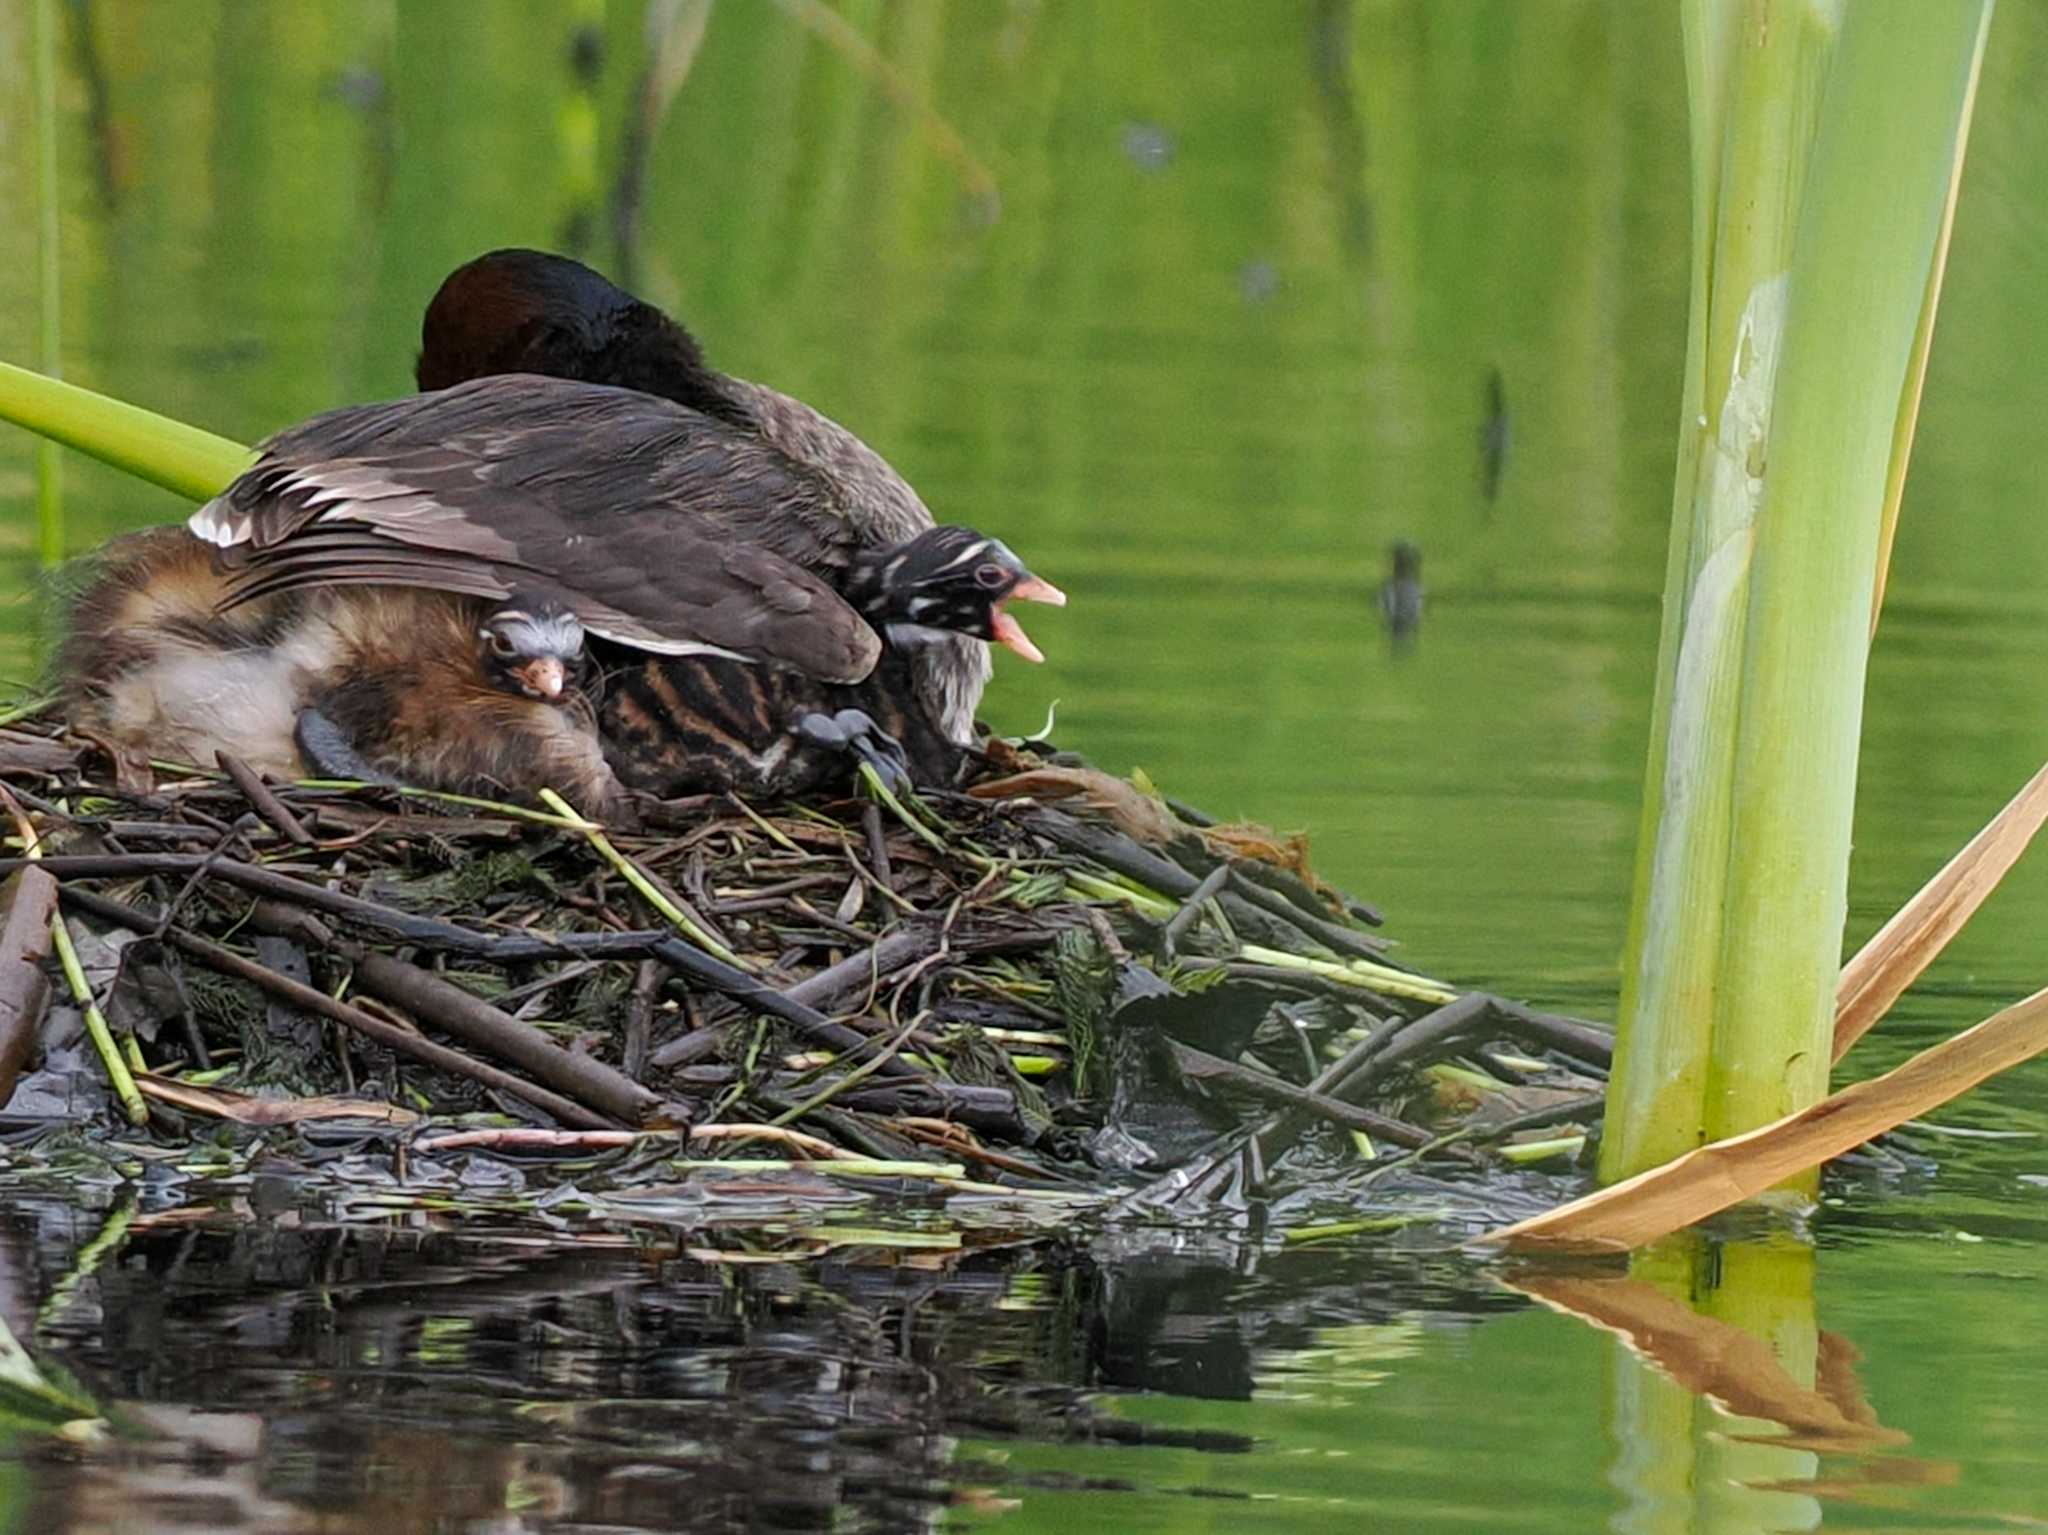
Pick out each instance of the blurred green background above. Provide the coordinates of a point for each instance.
(1201, 307)
(1198, 306)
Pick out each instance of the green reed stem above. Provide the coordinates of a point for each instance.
(49, 459)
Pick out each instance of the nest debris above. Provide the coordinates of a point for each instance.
(1053, 981)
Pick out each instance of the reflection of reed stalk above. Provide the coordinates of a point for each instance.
(49, 460)
(941, 135)
(674, 30)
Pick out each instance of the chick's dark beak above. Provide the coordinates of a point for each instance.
(542, 677)
(1007, 632)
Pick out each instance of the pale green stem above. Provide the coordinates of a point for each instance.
(1882, 168)
(768, 829)
(49, 460)
(96, 1025)
(1825, 147)
(195, 464)
(1757, 70)
(882, 792)
(1355, 972)
(631, 873)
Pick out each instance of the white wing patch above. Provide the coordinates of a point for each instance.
(218, 524)
(643, 639)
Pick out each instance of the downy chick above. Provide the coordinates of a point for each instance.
(385, 683)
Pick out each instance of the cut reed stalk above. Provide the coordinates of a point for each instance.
(1825, 144)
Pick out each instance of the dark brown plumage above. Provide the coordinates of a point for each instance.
(634, 512)
(841, 511)
(429, 688)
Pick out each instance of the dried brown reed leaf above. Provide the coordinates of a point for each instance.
(1660, 1201)
(1289, 851)
(243, 1109)
(1142, 817)
(1921, 929)
(1133, 812)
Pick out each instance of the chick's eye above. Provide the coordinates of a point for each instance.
(990, 576)
(501, 644)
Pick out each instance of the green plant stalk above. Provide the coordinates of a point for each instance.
(49, 462)
(124, 1086)
(1329, 1231)
(630, 872)
(878, 1236)
(26, 708)
(773, 833)
(1817, 219)
(1875, 208)
(1089, 887)
(1525, 1152)
(1356, 972)
(881, 791)
(195, 464)
(1756, 70)
(859, 1074)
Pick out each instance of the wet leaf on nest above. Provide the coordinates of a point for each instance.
(247, 1110)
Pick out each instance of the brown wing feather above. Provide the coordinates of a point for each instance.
(632, 507)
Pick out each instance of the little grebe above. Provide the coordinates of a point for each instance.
(678, 724)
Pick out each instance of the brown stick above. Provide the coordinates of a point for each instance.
(268, 805)
(1573, 1036)
(313, 1000)
(265, 882)
(1344, 940)
(433, 932)
(838, 983)
(878, 845)
(27, 900)
(1191, 909)
(447, 1007)
(1202, 1066)
(640, 1018)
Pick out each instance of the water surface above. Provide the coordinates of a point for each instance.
(1199, 308)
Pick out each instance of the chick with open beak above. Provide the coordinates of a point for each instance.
(678, 725)
(948, 580)
(1005, 630)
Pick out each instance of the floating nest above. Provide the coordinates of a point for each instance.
(1052, 986)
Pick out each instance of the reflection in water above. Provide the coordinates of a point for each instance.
(416, 1378)
(1401, 596)
(285, 1374)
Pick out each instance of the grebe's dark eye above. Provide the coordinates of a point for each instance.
(501, 642)
(990, 576)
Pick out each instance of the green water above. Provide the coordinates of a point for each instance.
(1221, 333)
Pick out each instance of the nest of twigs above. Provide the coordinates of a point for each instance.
(1054, 980)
